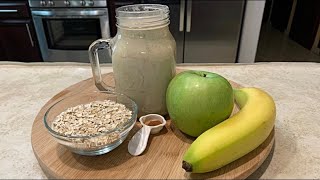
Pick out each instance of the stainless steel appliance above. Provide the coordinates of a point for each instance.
(65, 29)
(206, 31)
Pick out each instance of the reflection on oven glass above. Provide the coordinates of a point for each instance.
(75, 34)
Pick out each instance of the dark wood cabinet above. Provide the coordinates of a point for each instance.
(17, 35)
(14, 10)
(17, 41)
(305, 22)
(280, 14)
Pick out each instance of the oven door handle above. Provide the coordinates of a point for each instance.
(70, 13)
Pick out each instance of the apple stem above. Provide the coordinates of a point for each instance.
(186, 166)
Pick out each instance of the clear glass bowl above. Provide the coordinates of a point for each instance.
(91, 145)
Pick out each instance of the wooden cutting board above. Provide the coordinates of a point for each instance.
(161, 160)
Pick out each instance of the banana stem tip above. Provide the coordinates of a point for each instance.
(186, 166)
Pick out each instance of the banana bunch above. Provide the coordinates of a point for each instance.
(234, 137)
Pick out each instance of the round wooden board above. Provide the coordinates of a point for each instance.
(161, 160)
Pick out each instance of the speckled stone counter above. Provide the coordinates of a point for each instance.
(295, 87)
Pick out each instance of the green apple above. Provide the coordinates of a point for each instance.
(198, 100)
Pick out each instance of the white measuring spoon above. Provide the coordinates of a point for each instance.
(139, 141)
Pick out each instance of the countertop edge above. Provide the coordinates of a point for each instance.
(10, 63)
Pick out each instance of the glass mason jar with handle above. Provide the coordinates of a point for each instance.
(143, 56)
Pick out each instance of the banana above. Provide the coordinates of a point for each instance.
(234, 137)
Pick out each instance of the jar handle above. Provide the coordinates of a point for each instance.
(97, 45)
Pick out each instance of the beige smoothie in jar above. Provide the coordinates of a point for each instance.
(144, 56)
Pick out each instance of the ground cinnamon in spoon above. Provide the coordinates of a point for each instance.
(153, 122)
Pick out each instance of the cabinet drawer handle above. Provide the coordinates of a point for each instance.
(8, 11)
(30, 37)
(182, 9)
(189, 10)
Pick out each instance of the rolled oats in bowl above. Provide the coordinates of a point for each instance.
(91, 119)
(91, 124)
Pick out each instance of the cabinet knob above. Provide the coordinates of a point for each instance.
(83, 3)
(43, 3)
(67, 3)
(51, 3)
(91, 3)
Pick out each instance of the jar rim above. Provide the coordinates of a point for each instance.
(139, 16)
(143, 10)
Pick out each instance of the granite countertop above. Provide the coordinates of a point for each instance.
(295, 87)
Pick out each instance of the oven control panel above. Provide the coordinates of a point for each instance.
(67, 3)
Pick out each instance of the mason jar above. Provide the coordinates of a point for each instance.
(143, 56)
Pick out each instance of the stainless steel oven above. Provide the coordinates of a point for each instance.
(65, 33)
